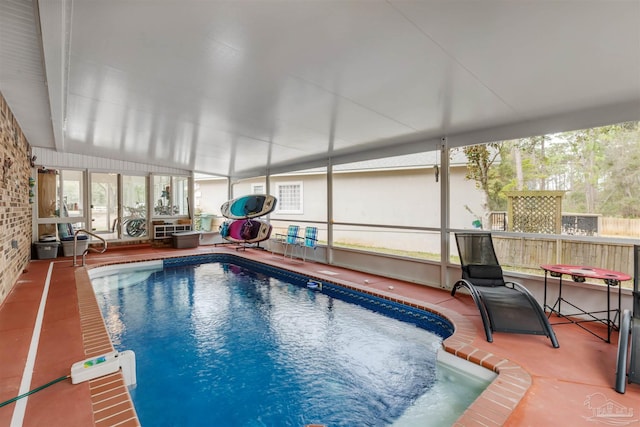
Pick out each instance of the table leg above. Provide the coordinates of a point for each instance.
(544, 306)
(619, 314)
(611, 324)
(560, 295)
(608, 313)
(558, 301)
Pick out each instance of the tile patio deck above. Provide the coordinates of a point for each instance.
(537, 384)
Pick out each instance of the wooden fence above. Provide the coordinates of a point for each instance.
(627, 227)
(531, 252)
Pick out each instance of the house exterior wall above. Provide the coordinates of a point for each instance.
(409, 197)
(15, 210)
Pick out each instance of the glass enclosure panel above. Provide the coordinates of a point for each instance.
(409, 243)
(134, 209)
(162, 195)
(210, 192)
(401, 190)
(170, 195)
(581, 182)
(60, 202)
(454, 258)
(104, 202)
(466, 200)
(180, 196)
(72, 193)
(71, 205)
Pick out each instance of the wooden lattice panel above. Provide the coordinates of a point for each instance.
(535, 211)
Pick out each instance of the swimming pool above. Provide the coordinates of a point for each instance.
(252, 345)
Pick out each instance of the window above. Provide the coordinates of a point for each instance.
(289, 197)
(72, 193)
(60, 202)
(134, 208)
(170, 195)
(181, 195)
(257, 189)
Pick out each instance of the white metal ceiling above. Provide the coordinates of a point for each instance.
(240, 87)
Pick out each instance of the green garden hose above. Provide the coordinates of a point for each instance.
(35, 390)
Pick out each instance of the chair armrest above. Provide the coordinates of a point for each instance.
(304, 242)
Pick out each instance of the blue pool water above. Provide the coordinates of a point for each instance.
(218, 344)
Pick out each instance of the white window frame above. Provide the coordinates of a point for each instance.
(299, 209)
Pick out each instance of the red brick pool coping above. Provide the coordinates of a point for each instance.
(110, 398)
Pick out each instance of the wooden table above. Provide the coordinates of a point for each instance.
(579, 273)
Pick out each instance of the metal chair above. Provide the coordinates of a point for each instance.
(310, 240)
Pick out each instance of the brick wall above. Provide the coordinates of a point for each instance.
(15, 210)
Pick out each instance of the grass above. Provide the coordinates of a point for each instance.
(390, 251)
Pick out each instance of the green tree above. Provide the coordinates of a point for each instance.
(587, 151)
(480, 159)
(498, 167)
(621, 178)
(599, 169)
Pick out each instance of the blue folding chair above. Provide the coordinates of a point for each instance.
(289, 240)
(310, 240)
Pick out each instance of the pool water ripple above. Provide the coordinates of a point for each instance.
(219, 345)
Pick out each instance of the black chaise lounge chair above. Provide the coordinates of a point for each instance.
(504, 306)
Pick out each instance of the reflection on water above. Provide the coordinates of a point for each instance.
(219, 345)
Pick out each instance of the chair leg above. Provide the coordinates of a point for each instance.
(486, 322)
(290, 248)
(541, 314)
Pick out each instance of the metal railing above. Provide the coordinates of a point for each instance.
(84, 253)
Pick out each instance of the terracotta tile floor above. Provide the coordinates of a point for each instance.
(537, 384)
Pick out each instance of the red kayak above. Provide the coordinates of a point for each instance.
(245, 231)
